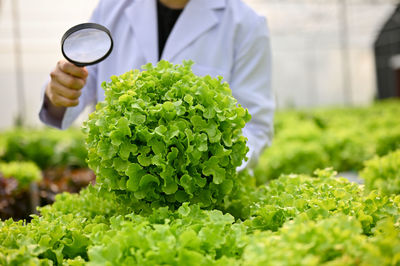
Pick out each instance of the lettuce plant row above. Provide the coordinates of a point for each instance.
(383, 173)
(47, 148)
(17, 194)
(23, 172)
(343, 138)
(297, 220)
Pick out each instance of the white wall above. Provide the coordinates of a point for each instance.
(307, 66)
(307, 54)
(42, 23)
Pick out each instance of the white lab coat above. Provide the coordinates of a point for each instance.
(222, 37)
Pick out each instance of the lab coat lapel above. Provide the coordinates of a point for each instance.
(197, 17)
(142, 16)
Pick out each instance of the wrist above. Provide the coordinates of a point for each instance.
(56, 112)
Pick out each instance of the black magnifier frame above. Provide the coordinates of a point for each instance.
(82, 27)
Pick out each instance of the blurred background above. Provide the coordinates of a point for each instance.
(323, 51)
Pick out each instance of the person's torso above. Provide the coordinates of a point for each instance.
(206, 32)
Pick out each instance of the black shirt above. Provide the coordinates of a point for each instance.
(166, 20)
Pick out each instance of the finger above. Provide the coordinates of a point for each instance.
(73, 70)
(67, 80)
(66, 92)
(61, 101)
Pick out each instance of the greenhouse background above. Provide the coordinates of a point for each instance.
(322, 50)
(155, 175)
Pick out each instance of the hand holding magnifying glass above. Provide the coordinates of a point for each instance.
(82, 45)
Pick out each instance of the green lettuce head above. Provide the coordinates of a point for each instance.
(167, 135)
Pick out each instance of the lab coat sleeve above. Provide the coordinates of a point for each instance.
(88, 96)
(250, 84)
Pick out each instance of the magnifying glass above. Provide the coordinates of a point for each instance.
(86, 44)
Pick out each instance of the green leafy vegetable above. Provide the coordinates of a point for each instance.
(336, 240)
(342, 138)
(167, 135)
(45, 147)
(24, 172)
(319, 197)
(383, 173)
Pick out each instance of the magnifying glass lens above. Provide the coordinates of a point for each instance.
(86, 44)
